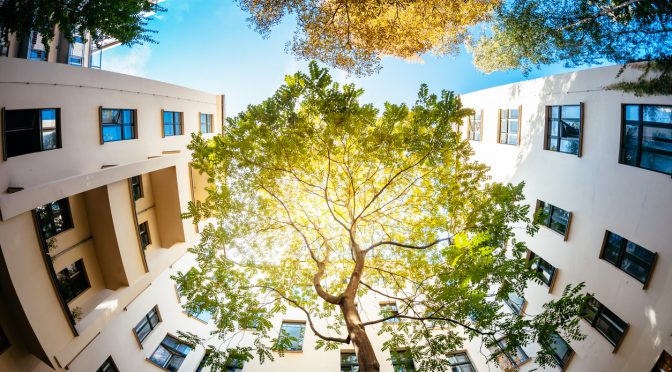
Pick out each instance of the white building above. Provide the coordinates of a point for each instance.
(95, 173)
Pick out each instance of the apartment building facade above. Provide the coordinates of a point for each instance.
(95, 173)
(598, 163)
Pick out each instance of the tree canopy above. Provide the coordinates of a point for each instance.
(530, 33)
(123, 20)
(354, 35)
(317, 201)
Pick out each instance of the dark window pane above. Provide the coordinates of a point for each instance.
(108, 366)
(32, 130)
(160, 356)
(72, 280)
(562, 350)
(653, 148)
(559, 220)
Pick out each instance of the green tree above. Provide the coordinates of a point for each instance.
(123, 20)
(318, 200)
(530, 33)
(355, 35)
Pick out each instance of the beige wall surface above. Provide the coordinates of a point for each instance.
(79, 92)
(104, 233)
(602, 195)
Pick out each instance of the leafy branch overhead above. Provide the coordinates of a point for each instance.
(318, 201)
(355, 35)
(95, 20)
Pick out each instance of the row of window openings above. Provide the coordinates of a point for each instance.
(401, 360)
(27, 131)
(628, 256)
(37, 51)
(646, 133)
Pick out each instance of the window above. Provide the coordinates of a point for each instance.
(460, 362)
(4, 341)
(204, 315)
(291, 336)
(634, 259)
(136, 187)
(349, 362)
(72, 280)
(36, 48)
(509, 127)
(476, 125)
(564, 129)
(557, 219)
(604, 321)
(206, 123)
(108, 366)
(172, 123)
(31, 130)
(509, 359)
(147, 324)
(402, 361)
(646, 137)
(143, 231)
(544, 268)
(53, 218)
(4, 48)
(515, 303)
(389, 309)
(170, 353)
(76, 52)
(664, 363)
(563, 352)
(117, 125)
(233, 365)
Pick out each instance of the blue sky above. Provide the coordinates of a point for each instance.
(208, 45)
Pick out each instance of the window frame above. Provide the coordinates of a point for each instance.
(640, 130)
(347, 366)
(549, 118)
(82, 272)
(134, 115)
(141, 190)
(530, 257)
(600, 311)
(395, 311)
(664, 359)
(303, 335)
(171, 350)
(518, 310)
(458, 364)
(174, 114)
(622, 253)
(65, 214)
(550, 218)
(146, 318)
(564, 361)
(144, 227)
(500, 347)
(405, 362)
(499, 125)
(480, 127)
(40, 130)
(108, 360)
(201, 115)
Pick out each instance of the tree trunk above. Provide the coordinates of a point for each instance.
(366, 357)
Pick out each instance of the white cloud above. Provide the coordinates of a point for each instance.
(134, 62)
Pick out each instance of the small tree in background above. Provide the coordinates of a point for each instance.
(318, 200)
